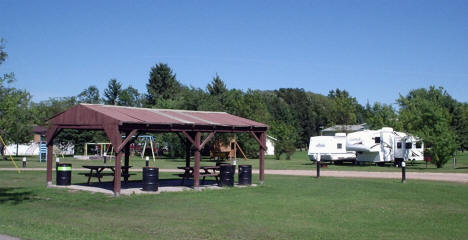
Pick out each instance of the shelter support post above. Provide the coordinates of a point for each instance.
(261, 139)
(113, 133)
(187, 153)
(127, 161)
(196, 167)
(261, 157)
(117, 173)
(50, 150)
(52, 132)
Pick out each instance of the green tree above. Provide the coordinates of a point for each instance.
(3, 54)
(15, 117)
(426, 113)
(345, 107)
(130, 97)
(113, 91)
(217, 86)
(15, 121)
(286, 136)
(89, 95)
(381, 115)
(304, 115)
(460, 124)
(162, 84)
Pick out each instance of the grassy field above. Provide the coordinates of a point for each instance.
(284, 208)
(299, 161)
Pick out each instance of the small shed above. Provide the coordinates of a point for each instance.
(118, 121)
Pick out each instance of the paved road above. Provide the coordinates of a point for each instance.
(446, 177)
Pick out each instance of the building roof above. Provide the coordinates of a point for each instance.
(40, 130)
(94, 116)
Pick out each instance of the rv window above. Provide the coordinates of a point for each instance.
(408, 145)
(339, 145)
(377, 139)
(398, 145)
(418, 145)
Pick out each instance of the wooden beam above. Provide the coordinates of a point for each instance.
(196, 166)
(182, 138)
(127, 139)
(261, 143)
(52, 132)
(207, 139)
(113, 133)
(189, 137)
(50, 155)
(261, 158)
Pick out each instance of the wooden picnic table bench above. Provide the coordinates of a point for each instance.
(208, 171)
(97, 172)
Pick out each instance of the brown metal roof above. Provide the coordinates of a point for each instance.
(95, 115)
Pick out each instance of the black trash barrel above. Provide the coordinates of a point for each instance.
(150, 178)
(245, 174)
(226, 173)
(63, 174)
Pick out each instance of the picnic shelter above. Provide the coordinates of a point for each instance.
(122, 125)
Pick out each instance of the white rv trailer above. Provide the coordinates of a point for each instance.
(330, 148)
(384, 145)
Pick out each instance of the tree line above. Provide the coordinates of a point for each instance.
(293, 114)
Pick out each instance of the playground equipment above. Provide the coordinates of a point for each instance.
(103, 148)
(145, 139)
(226, 151)
(42, 151)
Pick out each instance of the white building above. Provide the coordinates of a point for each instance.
(270, 144)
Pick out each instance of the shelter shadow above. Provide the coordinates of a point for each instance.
(15, 195)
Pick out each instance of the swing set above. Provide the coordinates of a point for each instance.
(145, 140)
(106, 149)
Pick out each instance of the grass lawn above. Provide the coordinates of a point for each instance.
(286, 207)
(299, 161)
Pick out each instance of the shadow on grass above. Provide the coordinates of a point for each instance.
(15, 195)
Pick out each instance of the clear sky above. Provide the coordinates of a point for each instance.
(374, 49)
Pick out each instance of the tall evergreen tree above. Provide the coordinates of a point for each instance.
(345, 107)
(113, 91)
(217, 86)
(162, 84)
(3, 54)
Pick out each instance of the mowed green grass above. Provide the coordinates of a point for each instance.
(285, 207)
(299, 161)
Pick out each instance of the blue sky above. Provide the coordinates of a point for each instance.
(374, 49)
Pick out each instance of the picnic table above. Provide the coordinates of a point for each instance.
(97, 172)
(208, 171)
